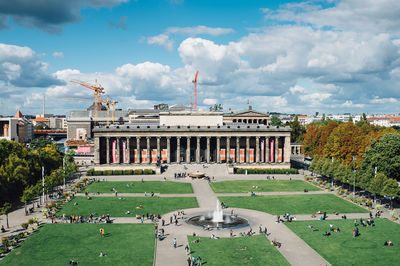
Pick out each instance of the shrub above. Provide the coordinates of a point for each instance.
(138, 172)
(265, 171)
(31, 221)
(98, 172)
(90, 172)
(24, 226)
(364, 200)
(4, 241)
(128, 172)
(117, 172)
(369, 203)
(108, 172)
(147, 171)
(3, 249)
(19, 236)
(79, 185)
(85, 179)
(51, 205)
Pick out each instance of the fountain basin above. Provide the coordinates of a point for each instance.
(206, 221)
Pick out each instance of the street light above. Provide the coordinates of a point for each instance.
(354, 176)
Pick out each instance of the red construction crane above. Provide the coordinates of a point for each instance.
(195, 90)
(97, 90)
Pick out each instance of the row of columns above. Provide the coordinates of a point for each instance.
(285, 158)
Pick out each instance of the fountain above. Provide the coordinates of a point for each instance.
(217, 219)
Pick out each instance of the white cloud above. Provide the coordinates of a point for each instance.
(351, 104)
(297, 89)
(199, 30)
(209, 101)
(161, 40)
(315, 99)
(58, 55)
(164, 39)
(383, 100)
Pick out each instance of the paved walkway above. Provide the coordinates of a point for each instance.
(294, 249)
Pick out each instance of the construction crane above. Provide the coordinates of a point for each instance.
(108, 103)
(195, 90)
(98, 90)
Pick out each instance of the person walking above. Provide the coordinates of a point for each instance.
(174, 242)
(189, 261)
(199, 261)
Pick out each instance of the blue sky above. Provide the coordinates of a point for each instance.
(284, 56)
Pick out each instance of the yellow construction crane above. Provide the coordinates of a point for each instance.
(108, 103)
(97, 90)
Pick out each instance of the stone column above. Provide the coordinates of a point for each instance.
(138, 151)
(108, 150)
(286, 148)
(97, 150)
(218, 149)
(276, 149)
(208, 150)
(118, 151)
(267, 149)
(158, 148)
(228, 148)
(237, 149)
(148, 150)
(188, 149)
(247, 149)
(128, 147)
(257, 149)
(168, 149)
(198, 150)
(178, 149)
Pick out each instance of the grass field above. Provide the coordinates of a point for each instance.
(56, 244)
(254, 250)
(263, 186)
(294, 204)
(117, 207)
(343, 249)
(163, 187)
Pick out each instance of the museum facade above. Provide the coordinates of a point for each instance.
(192, 137)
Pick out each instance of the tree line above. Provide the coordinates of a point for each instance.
(361, 154)
(21, 170)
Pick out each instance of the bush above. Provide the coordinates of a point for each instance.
(24, 226)
(265, 171)
(128, 172)
(138, 172)
(90, 172)
(4, 241)
(364, 200)
(98, 172)
(369, 203)
(19, 236)
(3, 249)
(31, 221)
(147, 171)
(108, 172)
(117, 172)
(51, 205)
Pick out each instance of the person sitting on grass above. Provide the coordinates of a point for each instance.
(102, 254)
(327, 234)
(72, 262)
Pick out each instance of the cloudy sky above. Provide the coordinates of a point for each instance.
(283, 56)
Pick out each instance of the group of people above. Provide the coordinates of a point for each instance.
(179, 175)
(193, 261)
(81, 219)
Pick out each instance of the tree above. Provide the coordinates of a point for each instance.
(28, 195)
(5, 210)
(275, 121)
(323, 117)
(384, 154)
(390, 189)
(364, 117)
(350, 118)
(376, 185)
(40, 143)
(298, 131)
(216, 108)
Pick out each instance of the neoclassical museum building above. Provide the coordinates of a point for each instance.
(193, 137)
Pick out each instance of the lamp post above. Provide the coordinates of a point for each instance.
(354, 176)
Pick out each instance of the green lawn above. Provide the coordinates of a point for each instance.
(263, 186)
(294, 204)
(163, 187)
(56, 244)
(117, 207)
(342, 249)
(254, 250)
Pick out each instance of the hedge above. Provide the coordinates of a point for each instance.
(92, 172)
(265, 171)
